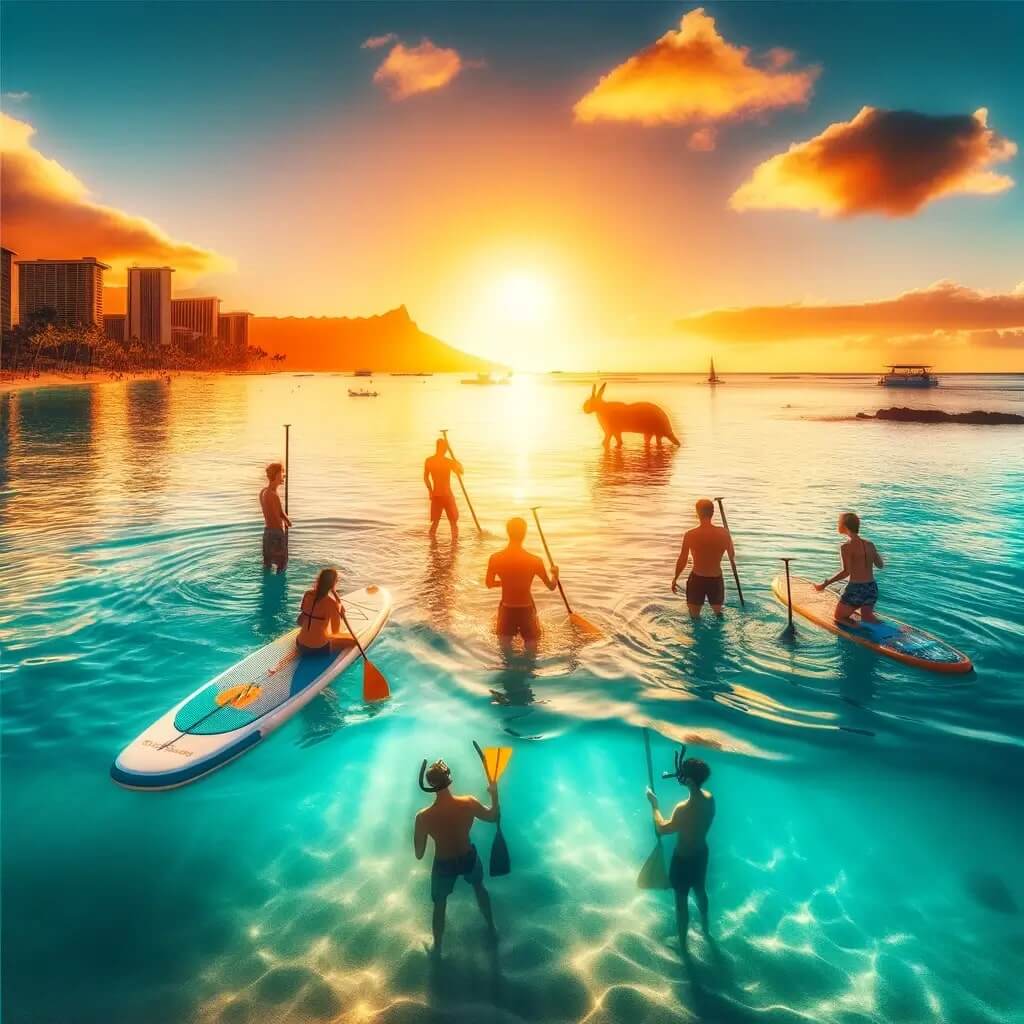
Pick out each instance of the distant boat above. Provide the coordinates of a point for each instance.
(713, 377)
(406, 373)
(363, 373)
(486, 379)
(908, 375)
(362, 393)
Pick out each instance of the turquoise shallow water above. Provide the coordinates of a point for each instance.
(866, 856)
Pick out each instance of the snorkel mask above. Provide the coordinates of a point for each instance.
(440, 768)
(678, 760)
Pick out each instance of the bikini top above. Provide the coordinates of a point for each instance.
(310, 617)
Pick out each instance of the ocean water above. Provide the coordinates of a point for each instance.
(865, 861)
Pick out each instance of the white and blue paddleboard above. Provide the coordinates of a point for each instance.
(243, 705)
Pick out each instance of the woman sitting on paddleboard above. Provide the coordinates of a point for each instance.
(859, 559)
(320, 617)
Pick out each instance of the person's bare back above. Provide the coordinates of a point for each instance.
(692, 819)
(707, 544)
(516, 569)
(448, 823)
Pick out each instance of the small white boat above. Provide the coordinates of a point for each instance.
(487, 379)
(363, 373)
(908, 375)
(713, 377)
(362, 393)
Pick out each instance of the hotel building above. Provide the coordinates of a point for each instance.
(115, 326)
(72, 288)
(6, 266)
(201, 316)
(233, 330)
(149, 304)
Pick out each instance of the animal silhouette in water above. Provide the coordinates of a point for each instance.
(618, 418)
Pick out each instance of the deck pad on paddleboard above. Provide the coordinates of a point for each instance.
(227, 716)
(896, 639)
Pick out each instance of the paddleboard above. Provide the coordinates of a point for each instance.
(231, 714)
(895, 639)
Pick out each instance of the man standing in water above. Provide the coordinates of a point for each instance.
(447, 821)
(437, 475)
(514, 569)
(690, 821)
(275, 539)
(707, 543)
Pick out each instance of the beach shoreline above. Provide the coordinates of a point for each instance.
(53, 379)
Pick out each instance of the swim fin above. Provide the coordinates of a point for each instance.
(500, 862)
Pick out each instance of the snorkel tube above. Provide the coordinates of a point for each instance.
(678, 759)
(441, 766)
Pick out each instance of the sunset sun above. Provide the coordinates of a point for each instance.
(523, 297)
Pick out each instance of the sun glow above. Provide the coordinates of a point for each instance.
(523, 297)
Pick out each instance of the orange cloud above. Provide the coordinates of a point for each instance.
(47, 212)
(890, 162)
(410, 70)
(943, 309)
(693, 76)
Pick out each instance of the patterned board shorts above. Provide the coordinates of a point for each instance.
(860, 595)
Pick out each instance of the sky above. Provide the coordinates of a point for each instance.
(554, 186)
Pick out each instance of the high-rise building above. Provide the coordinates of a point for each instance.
(149, 304)
(115, 326)
(71, 289)
(233, 330)
(6, 265)
(198, 315)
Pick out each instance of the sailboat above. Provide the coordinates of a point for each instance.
(713, 377)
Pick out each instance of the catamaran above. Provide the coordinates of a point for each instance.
(908, 375)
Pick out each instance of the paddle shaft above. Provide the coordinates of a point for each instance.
(344, 618)
(732, 561)
(287, 440)
(650, 775)
(465, 493)
(789, 594)
(551, 561)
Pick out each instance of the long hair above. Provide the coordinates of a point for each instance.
(326, 581)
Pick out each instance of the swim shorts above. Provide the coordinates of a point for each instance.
(690, 871)
(860, 595)
(275, 545)
(701, 588)
(444, 503)
(445, 873)
(518, 620)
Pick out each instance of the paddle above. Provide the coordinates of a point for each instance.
(789, 633)
(375, 686)
(732, 561)
(500, 863)
(465, 493)
(652, 874)
(287, 431)
(576, 619)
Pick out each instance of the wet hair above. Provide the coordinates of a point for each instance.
(705, 508)
(694, 769)
(273, 470)
(326, 581)
(851, 521)
(439, 775)
(516, 528)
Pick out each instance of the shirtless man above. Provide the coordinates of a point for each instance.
(275, 539)
(707, 543)
(513, 569)
(437, 475)
(690, 821)
(447, 821)
(860, 558)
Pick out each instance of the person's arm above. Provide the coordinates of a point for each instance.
(663, 826)
(419, 837)
(426, 478)
(491, 580)
(487, 813)
(542, 574)
(877, 558)
(841, 575)
(335, 622)
(298, 618)
(280, 510)
(684, 557)
(457, 466)
(729, 549)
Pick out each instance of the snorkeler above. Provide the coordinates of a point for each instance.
(860, 557)
(275, 537)
(448, 821)
(690, 821)
(514, 569)
(319, 617)
(707, 543)
(437, 475)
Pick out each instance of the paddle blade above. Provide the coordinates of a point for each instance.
(496, 760)
(240, 696)
(500, 863)
(584, 625)
(652, 874)
(375, 686)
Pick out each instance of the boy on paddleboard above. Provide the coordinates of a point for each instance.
(448, 821)
(437, 475)
(707, 544)
(860, 558)
(690, 821)
(514, 570)
(275, 539)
